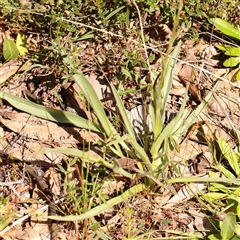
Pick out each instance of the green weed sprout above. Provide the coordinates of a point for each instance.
(233, 52)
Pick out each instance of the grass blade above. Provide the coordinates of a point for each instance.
(95, 103)
(127, 124)
(197, 111)
(170, 128)
(103, 207)
(48, 113)
(169, 74)
(230, 155)
(87, 157)
(113, 13)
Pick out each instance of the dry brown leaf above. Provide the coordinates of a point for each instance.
(54, 180)
(101, 89)
(210, 56)
(37, 134)
(38, 129)
(110, 186)
(188, 149)
(8, 70)
(185, 193)
(187, 75)
(35, 232)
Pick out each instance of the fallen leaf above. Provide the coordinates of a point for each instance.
(7, 70)
(185, 194)
(21, 44)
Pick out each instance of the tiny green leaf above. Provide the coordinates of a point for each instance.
(21, 43)
(227, 226)
(231, 62)
(225, 27)
(230, 155)
(10, 50)
(234, 52)
(223, 47)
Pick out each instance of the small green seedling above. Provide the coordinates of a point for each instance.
(233, 52)
(10, 50)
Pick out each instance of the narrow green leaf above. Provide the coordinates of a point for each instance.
(113, 13)
(10, 50)
(48, 113)
(234, 52)
(95, 103)
(103, 207)
(161, 91)
(225, 27)
(141, 154)
(231, 62)
(204, 179)
(85, 36)
(230, 155)
(212, 196)
(87, 157)
(169, 74)
(127, 124)
(171, 128)
(226, 172)
(228, 226)
(194, 115)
